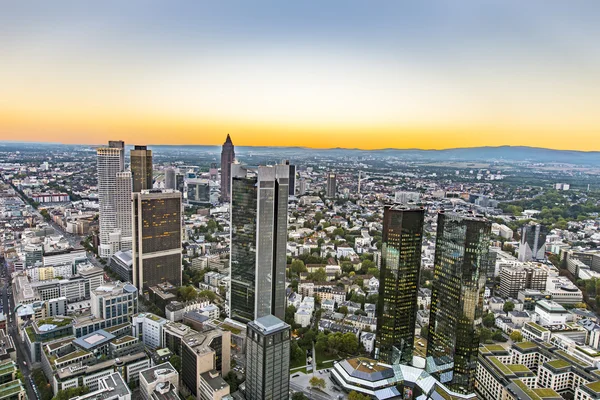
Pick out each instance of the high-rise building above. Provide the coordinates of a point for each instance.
(213, 171)
(459, 276)
(141, 168)
(267, 359)
(399, 281)
(156, 238)
(302, 186)
(514, 278)
(180, 182)
(110, 163)
(533, 242)
(258, 242)
(331, 185)
(198, 191)
(292, 178)
(170, 178)
(123, 205)
(227, 157)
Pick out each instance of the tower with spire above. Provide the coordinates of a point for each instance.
(227, 157)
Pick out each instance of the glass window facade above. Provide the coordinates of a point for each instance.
(399, 280)
(461, 253)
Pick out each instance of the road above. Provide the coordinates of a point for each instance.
(315, 395)
(11, 327)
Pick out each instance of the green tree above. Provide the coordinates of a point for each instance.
(298, 266)
(484, 335)
(232, 380)
(373, 271)
(353, 395)
(317, 382)
(508, 306)
(175, 361)
(489, 320)
(208, 294)
(425, 331)
(343, 310)
(299, 396)
(516, 336)
(498, 336)
(290, 311)
(349, 343)
(319, 275)
(70, 393)
(187, 293)
(296, 353)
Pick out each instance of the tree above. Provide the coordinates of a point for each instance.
(290, 311)
(299, 396)
(349, 343)
(317, 382)
(319, 275)
(516, 336)
(175, 361)
(298, 266)
(232, 380)
(208, 294)
(489, 320)
(296, 353)
(484, 335)
(498, 336)
(373, 271)
(70, 393)
(425, 331)
(343, 310)
(357, 396)
(187, 293)
(508, 306)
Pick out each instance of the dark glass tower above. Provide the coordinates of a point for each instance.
(141, 168)
(292, 178)
(156, 238)
(461, 253)
(258, 242)
(533, 242)
(399, 280)
(227, 157)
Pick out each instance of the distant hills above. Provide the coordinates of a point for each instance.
(487, 153)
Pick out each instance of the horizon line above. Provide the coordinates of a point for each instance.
(311, 148)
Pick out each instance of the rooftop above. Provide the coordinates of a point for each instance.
(269, 324)
(94, 339)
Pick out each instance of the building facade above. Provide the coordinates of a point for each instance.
(457, 298)
(268, 359)
(399, 280)
(331, 185)
(227, 157)
(141, 168)
(533, 242)
(258, 242)
(157, 238)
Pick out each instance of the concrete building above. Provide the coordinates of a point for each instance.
(227, 158)
(160, 381)
(268, 359)
(515, 278)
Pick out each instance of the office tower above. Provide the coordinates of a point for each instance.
(533, 242)
(180, 182)
(198, 191)
(267, 359)
(302, 186)
(331, 185)
(118, 144)
(461, 252)
(170, 178)
(292, 178)
(141, 168)
(110, 162)
(227, 157)
(123, 207)
(213, 171)
(399, 280)
(515, 278)
(156, 238)
(258, 242)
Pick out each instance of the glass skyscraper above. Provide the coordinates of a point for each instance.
(399, 280)
(258, 241)
(141, 168)
(461, 253)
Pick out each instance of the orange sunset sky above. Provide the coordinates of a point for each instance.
(431, 74)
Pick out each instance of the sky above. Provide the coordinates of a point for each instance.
(355, 74)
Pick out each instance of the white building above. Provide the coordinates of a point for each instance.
(149, 329)
(551, 313)
(368, 341)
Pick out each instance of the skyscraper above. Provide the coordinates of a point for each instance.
(533, 242)
(110, 162)
(156, 238)
(258, 242)
(292, 178)
(331, 185)
(170, 178)
(227, 157)
(399, 280)
(268, 359)
(461, 252)
(141, 168)
(123, 207)
(302, 186)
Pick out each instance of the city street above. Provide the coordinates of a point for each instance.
(11, 327)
